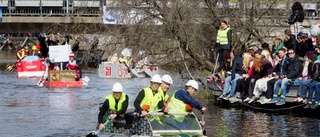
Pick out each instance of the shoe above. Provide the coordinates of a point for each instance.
(307, 106)
(251, 100)
(315, 106)
(265, 101)
(227, 97)
(299, 99)
(262, 98)
(222, 96)
(273, 100)
(234, 99)
(304, 101)
(282, 101)
(246, 100)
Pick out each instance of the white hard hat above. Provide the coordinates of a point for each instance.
(167, 78)
(156, 78)
(117, 87)
(193, 84)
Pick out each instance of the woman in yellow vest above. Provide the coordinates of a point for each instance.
(116, 102)
(149, 99)
(223, 42)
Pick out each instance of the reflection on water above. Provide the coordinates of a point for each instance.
(28, 110)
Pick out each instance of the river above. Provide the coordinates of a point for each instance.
(28, 110)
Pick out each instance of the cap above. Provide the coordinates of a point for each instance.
(308, 54)
(34, 48)
(71, 55)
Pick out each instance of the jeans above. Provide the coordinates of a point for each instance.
(227, 85)
(314, 85)
(283, 83)
(302, 90)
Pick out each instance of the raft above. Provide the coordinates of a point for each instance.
(73, 84)
(109, 70)
(64, 78)
(156, 124)
(30, 66)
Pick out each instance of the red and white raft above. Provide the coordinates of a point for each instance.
(30, 66)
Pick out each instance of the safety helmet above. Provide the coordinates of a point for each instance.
(34, 48)
(117, 87)
(166, 78)
(156, 78)
(71, 55)
(193, 84)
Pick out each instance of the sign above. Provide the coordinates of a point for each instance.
(122, 71)
(59, 53)
(54, 76)
(108, 71)
(109, 16)
(67, 75)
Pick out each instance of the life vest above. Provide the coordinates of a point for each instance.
(112, 102)
(150, 99)
(222, 36)
(177, 105)
(26, 52)
(127, 59)
(19, 55)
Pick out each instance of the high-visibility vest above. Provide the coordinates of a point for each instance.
(176, 105)
(150, 99)
(20, 54)
(222, 36)
(112, 102)
(165, 96)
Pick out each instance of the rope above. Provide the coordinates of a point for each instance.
(184, 62)
(269, 109)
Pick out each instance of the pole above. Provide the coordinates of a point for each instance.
(67, 5)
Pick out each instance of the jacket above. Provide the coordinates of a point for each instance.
(291, 43)
(294, 68)
(296, 16)
(237, 66)
(281, 67)
(315, 71)
(304, 47)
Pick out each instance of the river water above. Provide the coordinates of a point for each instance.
(28, 110)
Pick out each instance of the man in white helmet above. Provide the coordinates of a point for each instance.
(164, 87)
(117, 103)
(149, 99)
(182, 100)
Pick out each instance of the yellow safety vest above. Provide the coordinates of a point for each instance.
(20, 54)
(222, 36)
(150, 99)
(165, 96)
(112, 102)
(127, 60)
(176, 105)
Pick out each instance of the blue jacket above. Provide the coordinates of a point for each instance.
(184, 96)
(281, 67)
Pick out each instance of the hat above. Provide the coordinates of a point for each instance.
(304, 34)
(313, 57)
(71, 55)
(308, 54)
(299, 34)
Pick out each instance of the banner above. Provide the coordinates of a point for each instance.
(59, 53)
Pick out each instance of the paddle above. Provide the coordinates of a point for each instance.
(204, 132)
(95, 133)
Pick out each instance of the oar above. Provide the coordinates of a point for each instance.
(204, 132)
(95, 133)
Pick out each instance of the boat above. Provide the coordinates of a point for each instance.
(30, 66)
(64, 79)
(113, 70)
(156, 124)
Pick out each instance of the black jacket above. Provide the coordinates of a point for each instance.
(294, 69)
(315, 71)
(237, 66)
(304, 47)
(296, 16)
(291, 42)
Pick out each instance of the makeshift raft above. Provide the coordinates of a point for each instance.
(109, 70)
(156, 124)
(290, 107)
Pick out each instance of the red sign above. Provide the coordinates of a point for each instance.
(108, 71)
